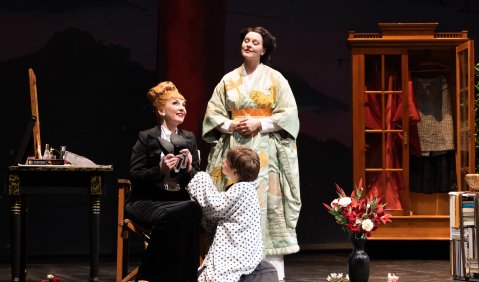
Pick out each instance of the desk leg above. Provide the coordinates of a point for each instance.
(94, 237)
(18, 255)
(23, 238)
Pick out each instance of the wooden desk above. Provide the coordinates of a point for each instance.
(27, 180)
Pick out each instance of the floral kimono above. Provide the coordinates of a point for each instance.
(267, 94)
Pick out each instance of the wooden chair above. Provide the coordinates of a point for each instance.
(125, 228)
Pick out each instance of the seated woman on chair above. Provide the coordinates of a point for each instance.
(163, 161)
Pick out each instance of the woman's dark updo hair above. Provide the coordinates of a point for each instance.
(269, 41)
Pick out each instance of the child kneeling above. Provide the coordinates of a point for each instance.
(233, 216)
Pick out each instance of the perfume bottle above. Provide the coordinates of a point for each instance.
(47, 154)
(63, 151)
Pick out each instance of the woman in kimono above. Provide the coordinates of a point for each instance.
(236, 252)
(254, 106)
(160, 168)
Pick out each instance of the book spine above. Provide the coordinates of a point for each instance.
(45, 162)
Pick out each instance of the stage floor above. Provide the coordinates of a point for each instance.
(304, 266)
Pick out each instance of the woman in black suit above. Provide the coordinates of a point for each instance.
(163, 161)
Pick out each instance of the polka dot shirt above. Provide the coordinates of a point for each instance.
(237, 247)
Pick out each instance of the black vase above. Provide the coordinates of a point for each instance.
(358, 262)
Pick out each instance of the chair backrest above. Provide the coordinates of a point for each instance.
(124, 187)
(125, 226)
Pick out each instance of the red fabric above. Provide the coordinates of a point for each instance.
(388, 184)
(414, 118)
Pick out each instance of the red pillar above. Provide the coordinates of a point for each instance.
(191, 53)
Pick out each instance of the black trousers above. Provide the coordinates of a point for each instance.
(264, 272)
(173, 251)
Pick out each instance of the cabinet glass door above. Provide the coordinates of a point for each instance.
(465, 145)
(385, 127)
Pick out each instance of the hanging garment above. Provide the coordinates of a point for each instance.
(434, 170)
(436, 128)
(435, 173)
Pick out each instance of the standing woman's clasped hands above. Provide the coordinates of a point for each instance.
(248, 125)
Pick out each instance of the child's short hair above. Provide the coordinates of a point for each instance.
(245, 161)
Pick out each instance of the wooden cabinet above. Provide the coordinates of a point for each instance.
(413, 123)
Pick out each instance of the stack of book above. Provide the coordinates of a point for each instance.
(470, 250)
(45, 162)
(468, 212)
(464, 255)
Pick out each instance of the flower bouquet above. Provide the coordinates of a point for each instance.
(358, 215)
(337, 277)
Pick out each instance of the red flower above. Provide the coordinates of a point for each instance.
(357, 215)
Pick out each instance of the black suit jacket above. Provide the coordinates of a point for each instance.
(145, 176)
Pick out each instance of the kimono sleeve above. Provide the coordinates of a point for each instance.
(285, 113)
(216, 112)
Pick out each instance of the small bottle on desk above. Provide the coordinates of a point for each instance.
(63, 151)
(47, 153)
(52, 154)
